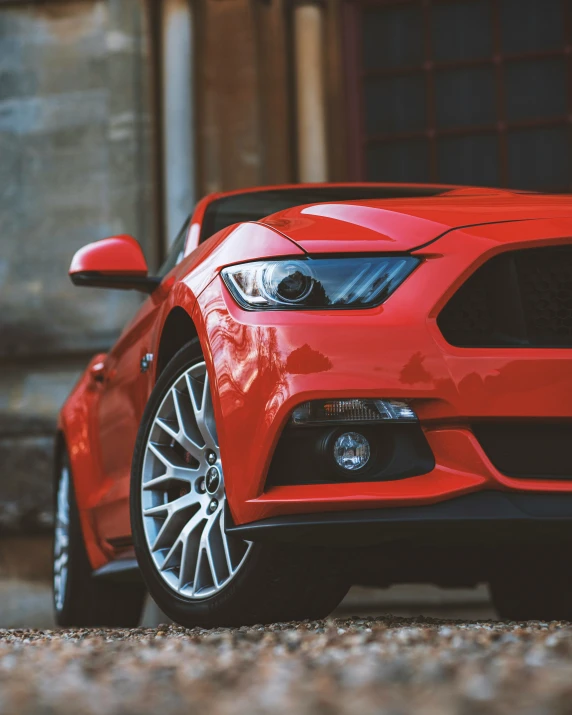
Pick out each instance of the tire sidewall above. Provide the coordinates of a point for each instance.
(77, 555)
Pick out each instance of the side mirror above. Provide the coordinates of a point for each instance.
(116, 262)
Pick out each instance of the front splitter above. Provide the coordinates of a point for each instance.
(486, 516)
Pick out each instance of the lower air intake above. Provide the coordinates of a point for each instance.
(528, 450)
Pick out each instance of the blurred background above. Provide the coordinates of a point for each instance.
(117, 115)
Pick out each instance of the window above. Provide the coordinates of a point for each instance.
(461, 91)
(176, 252)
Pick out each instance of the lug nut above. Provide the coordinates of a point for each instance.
(201, 486)
(213, 506)
(211, 457)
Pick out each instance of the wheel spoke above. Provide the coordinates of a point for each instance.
(212, 566)
(198, 567)
(159, 483)
(182, 564)
(172, 469)
(158, 510)
(192, 525)
(176, 515)
(205, 417)
(171, 477)
(191, 543)
(178, 545)
(209, 551)
(162, 454)
(188, 435)
(194, 387)
(178, 408)
(162, 539)
(167, 427)
(221, 524)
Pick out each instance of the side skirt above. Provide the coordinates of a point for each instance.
(120, 570)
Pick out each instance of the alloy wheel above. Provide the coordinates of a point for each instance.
(182, 493)
(61, 538)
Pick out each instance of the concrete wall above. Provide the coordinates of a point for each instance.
(75, 166)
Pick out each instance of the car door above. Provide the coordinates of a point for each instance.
(125, 388)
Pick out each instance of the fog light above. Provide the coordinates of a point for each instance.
(351, 451)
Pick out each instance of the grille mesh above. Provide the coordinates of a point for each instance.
(547, 295)
(517, 299)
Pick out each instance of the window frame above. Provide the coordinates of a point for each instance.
(356, 76)
(178, 253)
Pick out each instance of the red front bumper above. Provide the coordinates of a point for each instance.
(264, 364)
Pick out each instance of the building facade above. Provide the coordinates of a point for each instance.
(117, 115)
(454, 91)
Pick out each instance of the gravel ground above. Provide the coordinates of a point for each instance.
(347, 666)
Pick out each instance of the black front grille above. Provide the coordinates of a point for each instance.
(517, 299)
(528, 450)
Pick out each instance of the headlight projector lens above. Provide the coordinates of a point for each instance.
(289, 282)
(351, 451)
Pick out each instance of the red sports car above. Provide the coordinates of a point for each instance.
(327, 385)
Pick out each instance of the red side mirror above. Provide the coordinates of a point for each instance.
(116, 262)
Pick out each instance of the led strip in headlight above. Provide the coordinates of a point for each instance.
(317, 283)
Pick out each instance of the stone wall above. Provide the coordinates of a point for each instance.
(75, 166)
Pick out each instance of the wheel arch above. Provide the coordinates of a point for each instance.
(178, 329)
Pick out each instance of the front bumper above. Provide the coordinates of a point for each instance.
(264, 364)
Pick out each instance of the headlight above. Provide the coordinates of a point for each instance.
(317, 283)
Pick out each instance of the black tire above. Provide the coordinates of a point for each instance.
(533, 587)
(274, 583)
(86, 601)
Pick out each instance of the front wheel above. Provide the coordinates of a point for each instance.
(197, 573)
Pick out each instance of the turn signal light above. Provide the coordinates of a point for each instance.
(352, 410)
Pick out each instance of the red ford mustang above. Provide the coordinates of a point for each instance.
(327, 385)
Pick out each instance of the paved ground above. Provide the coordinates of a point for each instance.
(356, 666)
(28, 604)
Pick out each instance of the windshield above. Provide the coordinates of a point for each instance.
(254, 205)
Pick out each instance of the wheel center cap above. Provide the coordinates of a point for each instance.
(212, 480)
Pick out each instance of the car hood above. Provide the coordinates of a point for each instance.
(406, 224)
